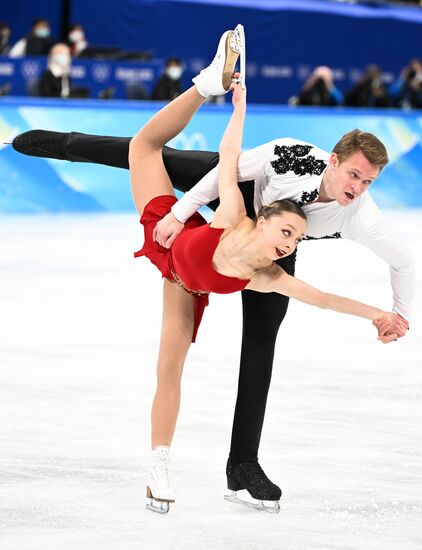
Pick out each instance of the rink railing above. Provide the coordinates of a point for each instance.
(40, 185)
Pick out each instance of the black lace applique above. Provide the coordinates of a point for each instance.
(333, 236)
(293, 157)
(307, 198)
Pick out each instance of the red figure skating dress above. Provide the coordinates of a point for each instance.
(189, 261)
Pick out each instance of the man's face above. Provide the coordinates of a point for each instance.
(350, 178)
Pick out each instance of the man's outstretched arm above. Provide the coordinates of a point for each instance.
(373, 232)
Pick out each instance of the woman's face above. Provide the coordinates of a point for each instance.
(280, 234)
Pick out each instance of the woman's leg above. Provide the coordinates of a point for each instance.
(176, 336)
(149, 177)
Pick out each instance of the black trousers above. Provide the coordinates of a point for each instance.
(262, 313)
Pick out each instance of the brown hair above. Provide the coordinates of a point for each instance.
(356, 140)
(278, 207)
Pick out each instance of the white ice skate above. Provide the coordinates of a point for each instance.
(159, 490)
(218, 76)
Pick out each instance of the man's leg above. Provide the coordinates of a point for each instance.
(185, 168)
(262, 316)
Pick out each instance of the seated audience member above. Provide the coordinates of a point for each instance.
(168, 85)
(136, 90)
(406, 91)
(319, 89)
(55, 81)
(37, 42)
(370, 90)
(4, 38)
(76, 39)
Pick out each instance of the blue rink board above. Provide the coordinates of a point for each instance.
(29, 185)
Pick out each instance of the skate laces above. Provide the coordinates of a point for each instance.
(160, 466)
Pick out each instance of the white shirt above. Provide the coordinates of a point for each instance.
(19, 49)
(287, 168)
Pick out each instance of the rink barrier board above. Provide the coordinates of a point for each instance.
(33, 185)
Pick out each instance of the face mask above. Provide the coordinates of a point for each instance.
(174, 72)
(76, 36)
(61, 59)
(42, 32)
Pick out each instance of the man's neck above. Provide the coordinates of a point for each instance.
(323, 195)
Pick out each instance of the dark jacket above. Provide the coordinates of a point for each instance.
(319, 94)
(368, 93)
(38, 46)
(51, 86)
(166, 88)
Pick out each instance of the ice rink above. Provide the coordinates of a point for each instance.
(79, 330)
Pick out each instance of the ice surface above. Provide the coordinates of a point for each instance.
(79, 329)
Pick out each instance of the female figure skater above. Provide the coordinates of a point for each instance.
(230, 254)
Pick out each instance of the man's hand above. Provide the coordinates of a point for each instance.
(390, 326)
(167, 230)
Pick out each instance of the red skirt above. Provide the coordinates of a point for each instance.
(160, 256)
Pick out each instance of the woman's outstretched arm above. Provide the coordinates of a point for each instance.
(232, 207)
(276, 279)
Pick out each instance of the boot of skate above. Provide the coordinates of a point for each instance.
(159, 490)
(218, 76)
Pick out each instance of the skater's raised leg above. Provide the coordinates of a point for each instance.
(150, 180)
(185, 168)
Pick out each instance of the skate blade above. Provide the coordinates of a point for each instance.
(232, 55)
(258, 505)
(240, 34)
(158, 506)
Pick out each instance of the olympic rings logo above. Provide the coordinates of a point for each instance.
(195, 141)
(101, 72)
(30, 69)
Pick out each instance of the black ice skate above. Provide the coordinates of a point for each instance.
(250, 476)
(42, 143)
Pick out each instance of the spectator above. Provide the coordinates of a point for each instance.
(37, 42)
(168, 85)
(136, 89)
(406, 91)
(55, 81)
(370, 91)
(319, 89)
(4, 38)
(76, 39)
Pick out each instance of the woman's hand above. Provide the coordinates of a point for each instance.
(390, 326)
(239, 93)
